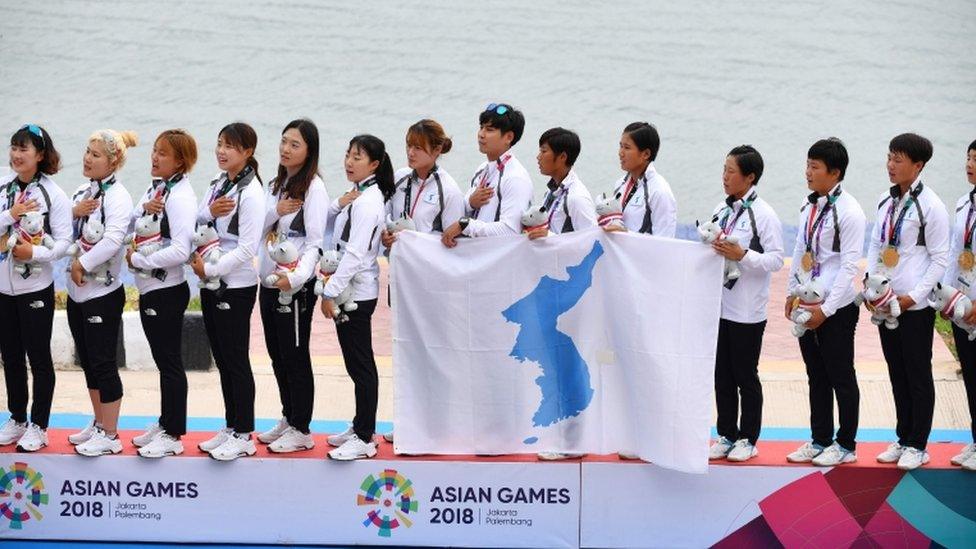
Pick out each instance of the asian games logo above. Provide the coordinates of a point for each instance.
(21, 492)
(390, 499)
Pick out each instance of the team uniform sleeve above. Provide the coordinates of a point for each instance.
(364, 228)
(664, 214)
(771, 236)
(852, 242)
(582, 210)
(955, 248)
(316, 214)
(61, 232)
(937, 246)
(874, 245)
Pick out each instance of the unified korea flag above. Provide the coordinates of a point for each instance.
(584, 342)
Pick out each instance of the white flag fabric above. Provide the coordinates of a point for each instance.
(583, 342)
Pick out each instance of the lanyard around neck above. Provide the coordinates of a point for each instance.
(728, 226)
(816, 225)
(891, 229)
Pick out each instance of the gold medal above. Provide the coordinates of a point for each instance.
(889, 256)
(3, 243)
(967, 260)
(806, 262)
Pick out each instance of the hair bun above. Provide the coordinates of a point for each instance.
(446, 145)
(130, 138)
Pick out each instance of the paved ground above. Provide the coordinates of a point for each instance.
(784, 380)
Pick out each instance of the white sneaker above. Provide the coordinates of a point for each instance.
(145, 438)
(34, 439)
(292, 440)
(161, 446)
(835, 454)
(742, 451)
(967, 452)
(970, 464)
(388, 437)
(84, 434)
(341, 438)
(557, 456)
(99, 444)
(912, 458)
(214, 442)
(805, 453)
(12, 431)
(720, 448)
(892, 454)
(236, 445)
(352, 449)
(275, 432)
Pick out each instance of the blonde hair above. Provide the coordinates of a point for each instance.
(115, 144)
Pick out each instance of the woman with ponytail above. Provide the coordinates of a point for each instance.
(235, 207)
(425, 192)
(357, 234)
(27, 302)
(95, 305)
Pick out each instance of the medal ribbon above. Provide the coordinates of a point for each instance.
(728, 226)
(420, 192)
(555, 197)
(629, 192)
(817, 225)
(967, 238)
(891, 228)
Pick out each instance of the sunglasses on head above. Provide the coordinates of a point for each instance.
(497, 108)
(36, 130)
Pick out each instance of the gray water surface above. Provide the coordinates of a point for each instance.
(710, 75)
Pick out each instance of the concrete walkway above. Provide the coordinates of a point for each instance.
(782, 371)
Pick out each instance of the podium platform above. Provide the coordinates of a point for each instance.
(504, 501)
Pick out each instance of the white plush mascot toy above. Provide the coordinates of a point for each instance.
(535, 218)
(608, 210)
(954, 304)
(147, 240)
(30, 229)
(805, 295)
(286, 258)
(91, 233)
(880, 300)
(328, 265)
(207, 244)
(710, 232)
(399, 224)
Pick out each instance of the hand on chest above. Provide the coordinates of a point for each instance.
(32, 194)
